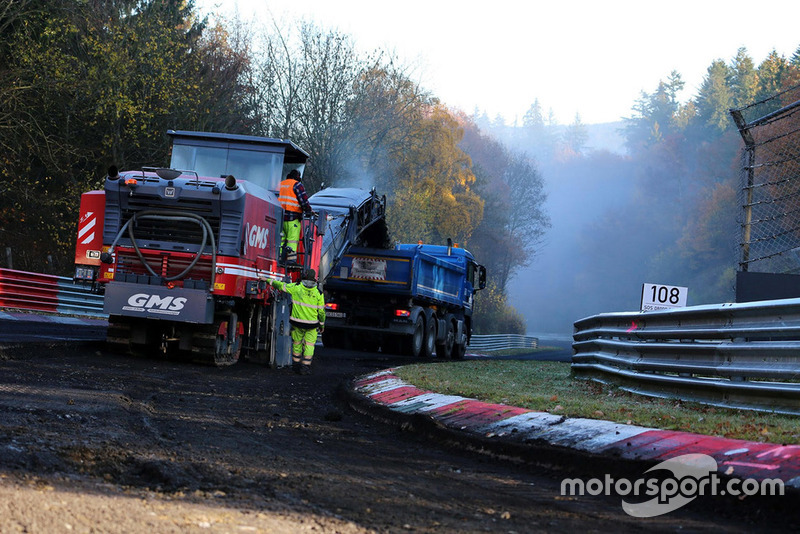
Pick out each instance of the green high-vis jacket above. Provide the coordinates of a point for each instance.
(308, 305)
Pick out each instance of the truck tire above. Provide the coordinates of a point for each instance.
(445, 348)
(412, 344)
(429, 339)
(459, 351)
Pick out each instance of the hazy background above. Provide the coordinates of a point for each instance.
(619, 219)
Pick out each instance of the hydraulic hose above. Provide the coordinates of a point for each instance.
(167, 216)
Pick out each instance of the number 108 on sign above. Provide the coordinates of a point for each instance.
(661, 297)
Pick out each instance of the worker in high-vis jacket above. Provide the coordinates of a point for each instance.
(307, 318)
(294, 201)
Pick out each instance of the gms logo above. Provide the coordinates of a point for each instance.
(257, 236)
(143, 302)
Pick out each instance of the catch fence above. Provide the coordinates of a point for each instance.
(770, 195)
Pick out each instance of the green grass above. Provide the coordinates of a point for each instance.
(548, 386)
(516, 352)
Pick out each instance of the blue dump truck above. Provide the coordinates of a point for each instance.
(412, 299)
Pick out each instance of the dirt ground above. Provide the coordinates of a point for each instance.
(92, 441)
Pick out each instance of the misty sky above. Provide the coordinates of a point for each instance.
(575, 56)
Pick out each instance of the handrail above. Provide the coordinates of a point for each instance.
(502, 342)
(744, 355)
(47, 293)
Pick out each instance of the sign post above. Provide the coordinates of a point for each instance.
(663, 297)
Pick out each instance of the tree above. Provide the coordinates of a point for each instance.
(533, 118)
(656, 116)
(433, 198)
(537, 132)
(771, 73)
(330, 69)
(743, 80)
(386, 105)
(575, 136)
(527, 221)
(94, 83)
(715, 98)
(514, 221)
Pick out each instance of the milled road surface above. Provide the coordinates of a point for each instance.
(92, 441)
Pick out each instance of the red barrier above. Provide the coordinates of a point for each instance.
(28, 291)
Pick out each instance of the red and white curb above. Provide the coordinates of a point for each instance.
(736, 458)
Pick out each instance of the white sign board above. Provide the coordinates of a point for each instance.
(661, 297)
(365, 268)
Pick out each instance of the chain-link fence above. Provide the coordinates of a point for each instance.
(770, 196)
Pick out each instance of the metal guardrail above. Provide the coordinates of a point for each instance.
(47, 293)
(56, 294)
(743, 355)
(502, 342)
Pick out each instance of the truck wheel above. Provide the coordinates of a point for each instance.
(445, 348)
(429, 337)
(459, 351)
(412, 345)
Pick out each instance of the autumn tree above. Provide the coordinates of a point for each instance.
(433, 198)
(387, 104)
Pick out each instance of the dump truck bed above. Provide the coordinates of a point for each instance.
(416, 271)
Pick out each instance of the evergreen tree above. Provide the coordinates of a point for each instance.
(715, 98)
(576, 136)
(743, 80)
(656, 115)
(771, 73)
(533, 118)
(795, 61)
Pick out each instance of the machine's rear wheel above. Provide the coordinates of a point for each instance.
(220, 343)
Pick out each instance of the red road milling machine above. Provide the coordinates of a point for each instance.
(184, 254)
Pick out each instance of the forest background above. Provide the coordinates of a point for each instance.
(89, 83)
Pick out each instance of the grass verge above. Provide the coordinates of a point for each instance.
(548, 387)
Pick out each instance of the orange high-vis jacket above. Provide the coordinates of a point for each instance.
(287, 198)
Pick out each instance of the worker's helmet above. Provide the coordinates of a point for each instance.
(310, 274)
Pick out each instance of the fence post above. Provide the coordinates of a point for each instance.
(747, 137)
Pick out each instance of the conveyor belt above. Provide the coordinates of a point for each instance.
(355, 217)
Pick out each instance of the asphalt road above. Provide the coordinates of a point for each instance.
(104, 442)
